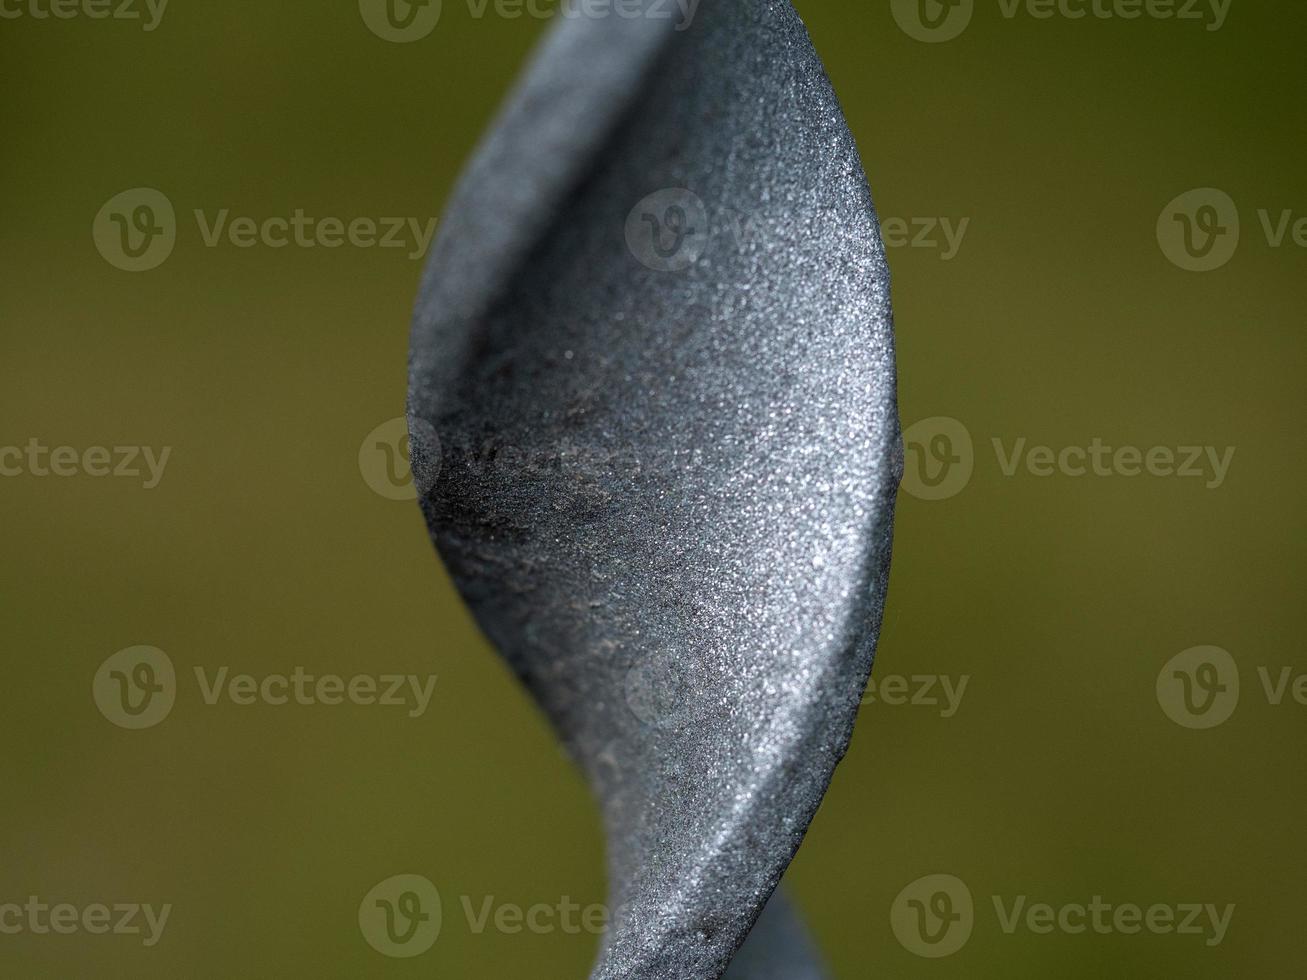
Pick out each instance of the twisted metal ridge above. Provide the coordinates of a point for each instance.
(652, 395)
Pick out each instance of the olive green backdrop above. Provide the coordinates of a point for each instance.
(1068, 770)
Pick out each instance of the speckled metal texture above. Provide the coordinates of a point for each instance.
(652, 390)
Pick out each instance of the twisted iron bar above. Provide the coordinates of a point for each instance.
(652, 407)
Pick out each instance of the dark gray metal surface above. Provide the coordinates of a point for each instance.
(652, 390)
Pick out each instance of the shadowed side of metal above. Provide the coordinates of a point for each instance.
(655, 350)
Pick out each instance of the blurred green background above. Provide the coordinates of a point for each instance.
(1059, 320)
